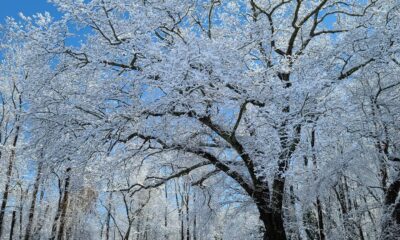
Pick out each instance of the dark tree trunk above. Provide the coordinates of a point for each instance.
(273, 223)
(392, 207)
(128, 231)
(108, 219)
(21, 211)
(391, 195)
(187, 216)
(33, 202)
(320, 226)
(270, 213)
(13, 220)
(320, 220)
(57, 216)
(5, 195)
(166, 213)
(8, 180)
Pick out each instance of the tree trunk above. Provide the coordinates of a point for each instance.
(187, 217)
(138, 230)
(13, 220)
(58, 212)
(392, 208)
(166, 213)
(21, 211)
(128, 231)
(180, 210)
(320, 220)
(320, 226)
(108, 219)
(273, 223)
(5, 195)
(270, 213)
(33, 202)
(64, 206)
(41, 222)
(194, 218)
(8, 180)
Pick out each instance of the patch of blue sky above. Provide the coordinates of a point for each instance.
(78, 35)
(12, 8)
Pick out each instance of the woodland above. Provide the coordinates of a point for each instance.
(201, 120)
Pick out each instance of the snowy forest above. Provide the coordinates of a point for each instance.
(201, 120)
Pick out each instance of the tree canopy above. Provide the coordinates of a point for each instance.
(206, 119)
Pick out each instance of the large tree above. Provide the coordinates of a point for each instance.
(244, 89)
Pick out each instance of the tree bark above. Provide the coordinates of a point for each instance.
(64, 206)
(271, 217)
(13, 220)
(320, 220)
(108, 218)
(8, 180)
(166, 237)
(320, 226)
(392, 207)
(33, 202)
(58, 212)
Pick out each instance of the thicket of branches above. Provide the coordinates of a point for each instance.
(201, 119)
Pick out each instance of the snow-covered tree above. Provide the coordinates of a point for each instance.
(286, 111)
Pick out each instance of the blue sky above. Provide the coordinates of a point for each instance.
(28, 7)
